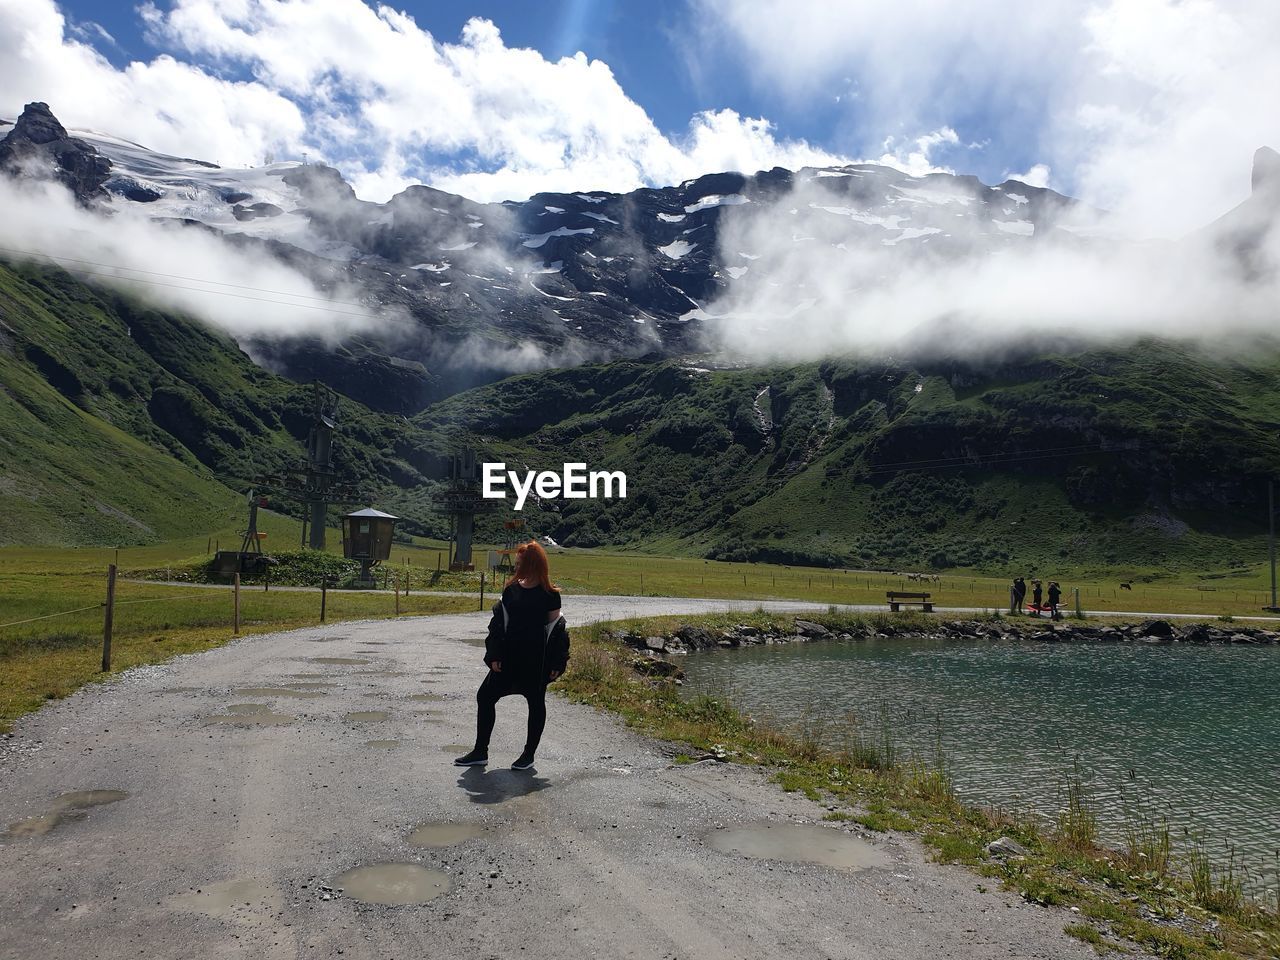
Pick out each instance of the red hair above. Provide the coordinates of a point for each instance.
(532, 564)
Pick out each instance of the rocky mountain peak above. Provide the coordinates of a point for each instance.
(38, 125)
(1266, 169)
(38, 146)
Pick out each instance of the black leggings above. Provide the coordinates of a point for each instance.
(494, 688)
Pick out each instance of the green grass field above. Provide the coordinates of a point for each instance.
(51, 656)
(1242, 594)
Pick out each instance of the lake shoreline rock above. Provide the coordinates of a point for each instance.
(654, 651)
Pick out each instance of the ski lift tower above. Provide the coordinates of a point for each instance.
(249, 558)
(315, 485)
(319, 474)
(462, 501)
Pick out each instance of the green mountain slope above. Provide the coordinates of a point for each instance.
(120, 424)
(1149, 455)
(68, 477)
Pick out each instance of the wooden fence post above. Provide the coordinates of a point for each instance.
(324, 596)
(481, 589)
(235, 603)
(397, 594)
(108, 618)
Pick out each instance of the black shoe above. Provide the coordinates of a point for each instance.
(524, 762)
(476, 758)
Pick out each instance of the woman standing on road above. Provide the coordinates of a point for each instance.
(527, 648)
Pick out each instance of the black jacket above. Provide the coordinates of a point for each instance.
(554, 654)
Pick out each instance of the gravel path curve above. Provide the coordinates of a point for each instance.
(231, 837)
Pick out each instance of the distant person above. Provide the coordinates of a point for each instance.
(1019, 593)
(1055, 597)
(1037, 594)
(527, 647)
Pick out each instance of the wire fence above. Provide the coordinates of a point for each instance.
(295, 605)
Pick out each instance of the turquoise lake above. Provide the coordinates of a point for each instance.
(1190, 733)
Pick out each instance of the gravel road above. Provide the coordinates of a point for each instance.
(216, 806)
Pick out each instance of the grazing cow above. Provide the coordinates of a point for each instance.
(1126, 586)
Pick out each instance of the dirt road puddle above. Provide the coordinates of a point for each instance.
(229, 898)
(308, 685)
(800, 843)
(382, 744)
(277, 692)
(355, 660)
(69, 806)
(367, 716)
(425, 697)
(442, 834)
(249, 715)
(393, 884)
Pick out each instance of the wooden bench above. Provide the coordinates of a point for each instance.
(896, 598)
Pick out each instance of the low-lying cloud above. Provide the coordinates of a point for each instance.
(242, 290)
(808, 278)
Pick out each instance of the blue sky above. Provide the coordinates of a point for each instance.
(1150, 108)
(641, 42)
(658, 54)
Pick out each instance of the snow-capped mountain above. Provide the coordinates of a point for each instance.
(574, 276)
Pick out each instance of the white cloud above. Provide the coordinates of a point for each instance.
(1037, 176)
(954, 272)
(369, 91)
(917, 161)
(165, 104)
(1152, 108)
(1178, 96)
(175, 267)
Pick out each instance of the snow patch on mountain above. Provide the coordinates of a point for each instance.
(677, 249)
(911, 233)
(550, 295)
(537, 240)
(1021, 228)
(716, 200)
